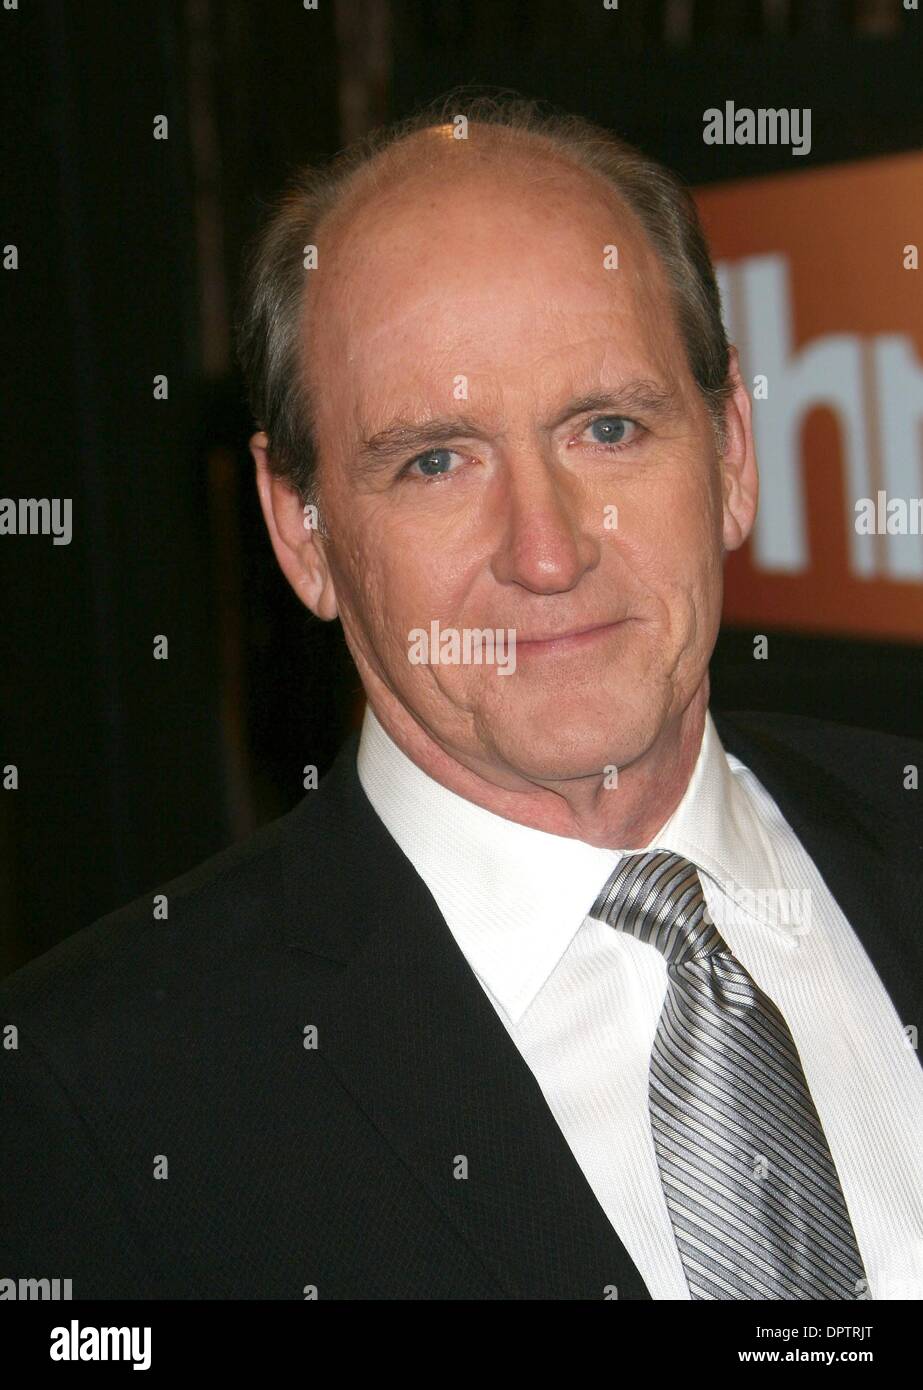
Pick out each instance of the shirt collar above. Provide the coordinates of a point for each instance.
(513, 896)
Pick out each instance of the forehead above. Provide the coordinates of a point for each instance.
(502, 274)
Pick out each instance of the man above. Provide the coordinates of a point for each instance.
(557, 987)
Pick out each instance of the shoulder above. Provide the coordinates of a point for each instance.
(840, 745)
(872, 770)
(187, 932)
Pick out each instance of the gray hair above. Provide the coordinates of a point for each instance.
(269, 344)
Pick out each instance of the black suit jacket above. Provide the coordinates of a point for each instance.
(182, 1042)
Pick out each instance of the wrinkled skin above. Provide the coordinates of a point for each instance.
(495, 273)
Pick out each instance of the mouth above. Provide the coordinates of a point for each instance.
(567, 641)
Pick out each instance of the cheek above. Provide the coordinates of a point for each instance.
(667, 540)
(673, 544)
(425, 565)
(689, 518)
(389, 582)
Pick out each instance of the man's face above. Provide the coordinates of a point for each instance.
(571, 483)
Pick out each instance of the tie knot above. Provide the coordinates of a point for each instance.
(657, 897)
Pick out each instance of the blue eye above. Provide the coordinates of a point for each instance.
(433, 464)
(610, 429)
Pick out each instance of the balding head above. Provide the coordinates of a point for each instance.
(498, 237)
(275, 328)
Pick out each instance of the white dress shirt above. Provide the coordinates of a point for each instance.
(581, 1001)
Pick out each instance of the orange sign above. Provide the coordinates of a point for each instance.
(823, 298)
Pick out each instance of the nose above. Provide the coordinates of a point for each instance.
(545, 546)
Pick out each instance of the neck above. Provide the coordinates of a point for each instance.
(650, 787)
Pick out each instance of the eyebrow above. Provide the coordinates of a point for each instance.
(404, 437)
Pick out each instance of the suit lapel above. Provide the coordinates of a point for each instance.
(408, 1030)
(873, 872)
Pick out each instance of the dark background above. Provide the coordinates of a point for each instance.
(132, 770)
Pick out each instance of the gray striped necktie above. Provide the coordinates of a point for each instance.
(750, 1183)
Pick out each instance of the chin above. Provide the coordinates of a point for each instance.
(562, 736)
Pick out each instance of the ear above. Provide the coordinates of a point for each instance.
(740, 476)
(298, 547)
